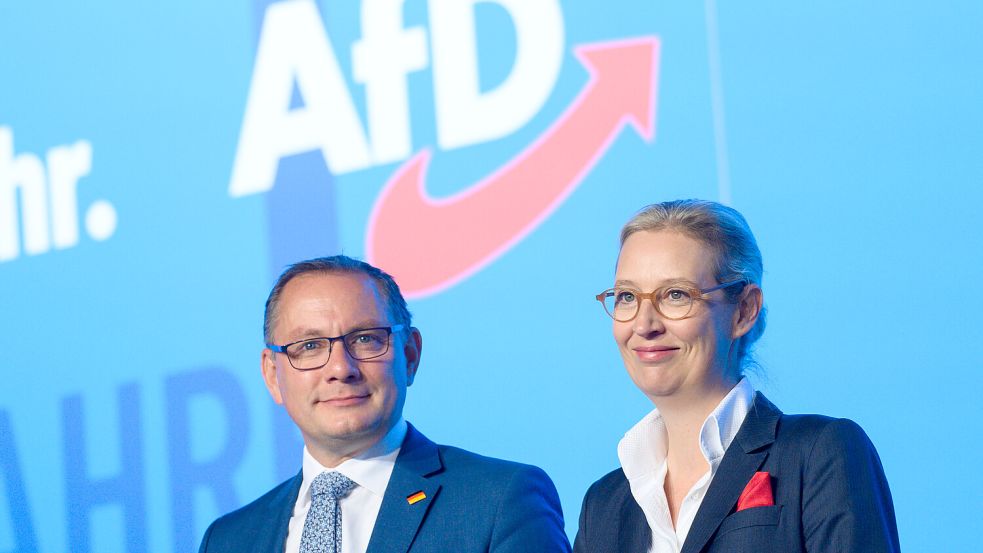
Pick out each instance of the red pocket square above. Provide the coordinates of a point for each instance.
(757, 493)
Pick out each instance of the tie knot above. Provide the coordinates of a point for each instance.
(333, 484)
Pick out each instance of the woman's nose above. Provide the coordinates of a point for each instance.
(648, 320)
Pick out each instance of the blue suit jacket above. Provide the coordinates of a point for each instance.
(473, 504)
(829, 489)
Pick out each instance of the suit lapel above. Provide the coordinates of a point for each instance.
(742, 460)
(634, 534)
(280, 509)
(398, 519)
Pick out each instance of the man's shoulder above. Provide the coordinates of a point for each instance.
(512, 506)
(252, 522)
(449, 463)
(465, 475)
(458, 459)
(475, 475)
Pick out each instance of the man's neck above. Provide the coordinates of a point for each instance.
(332, 453)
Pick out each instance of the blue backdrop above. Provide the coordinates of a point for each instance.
(160, 164)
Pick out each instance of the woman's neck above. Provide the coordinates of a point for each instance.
(684, 416)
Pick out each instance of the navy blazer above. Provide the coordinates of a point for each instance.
(827, 481)
(473, 504)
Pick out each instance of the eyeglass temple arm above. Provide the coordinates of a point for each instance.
(743, 281)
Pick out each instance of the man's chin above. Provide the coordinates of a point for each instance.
(357, 432)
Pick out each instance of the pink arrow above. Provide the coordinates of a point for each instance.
(429, 244)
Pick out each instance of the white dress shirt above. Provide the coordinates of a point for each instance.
(370, 470)
(642, 452)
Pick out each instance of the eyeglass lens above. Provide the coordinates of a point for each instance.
(361, 345)
(673, 303)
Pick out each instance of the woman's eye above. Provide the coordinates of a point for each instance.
(676, 295)
(624, 296)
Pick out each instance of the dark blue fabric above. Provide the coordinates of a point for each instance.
(473, 504)
(829, 488)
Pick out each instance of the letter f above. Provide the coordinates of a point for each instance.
(381, 60)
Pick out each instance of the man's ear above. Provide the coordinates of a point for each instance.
(268, 366)
(412, 348)
(748, 309)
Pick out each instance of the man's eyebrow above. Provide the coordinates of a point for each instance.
(304, 334)
(368, 324)
(307, 333)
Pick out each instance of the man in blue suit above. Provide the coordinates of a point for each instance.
(340, 354)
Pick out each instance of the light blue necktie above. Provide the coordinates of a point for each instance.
(322, 528)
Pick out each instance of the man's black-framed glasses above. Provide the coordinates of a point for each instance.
(361, 344)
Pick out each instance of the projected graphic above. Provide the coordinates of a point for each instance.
(160, 165)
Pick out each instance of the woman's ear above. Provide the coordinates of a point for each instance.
(748, 308)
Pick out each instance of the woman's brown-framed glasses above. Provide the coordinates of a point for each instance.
(362, 344)
(672, 302)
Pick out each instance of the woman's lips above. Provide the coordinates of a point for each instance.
(654, 353)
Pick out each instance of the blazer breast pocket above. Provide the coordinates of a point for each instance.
(754, 529)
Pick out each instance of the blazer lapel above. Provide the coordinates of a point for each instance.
(398, 519)
(280, 508)
(634, 534)
(742, 460)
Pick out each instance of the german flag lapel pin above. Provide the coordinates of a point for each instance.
(416, 497)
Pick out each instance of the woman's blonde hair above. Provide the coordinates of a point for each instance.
(725, 231)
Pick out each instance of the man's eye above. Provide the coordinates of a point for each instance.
(306, 348)
(367, 339)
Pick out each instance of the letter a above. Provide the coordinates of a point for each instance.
(293, 47)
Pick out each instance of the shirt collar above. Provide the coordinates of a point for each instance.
(370, 469)
(642, 451)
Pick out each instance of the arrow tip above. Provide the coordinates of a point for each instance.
(628, 70)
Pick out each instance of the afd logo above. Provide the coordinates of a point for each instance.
(455, 235)
(48, 192)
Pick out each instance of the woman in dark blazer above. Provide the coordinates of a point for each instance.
(716, 467)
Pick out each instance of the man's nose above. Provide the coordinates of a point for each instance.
(340, 365)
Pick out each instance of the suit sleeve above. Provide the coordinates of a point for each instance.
(846, 500)
(529, 517)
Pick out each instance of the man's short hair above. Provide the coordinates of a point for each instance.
(336, 264)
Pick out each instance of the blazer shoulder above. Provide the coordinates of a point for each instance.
(608, 483)
(845, 497)
(463, 462)
(514, 506)
(610, 493)
(807, 431)
(254, 522)
(260, 506)
(456, 454)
